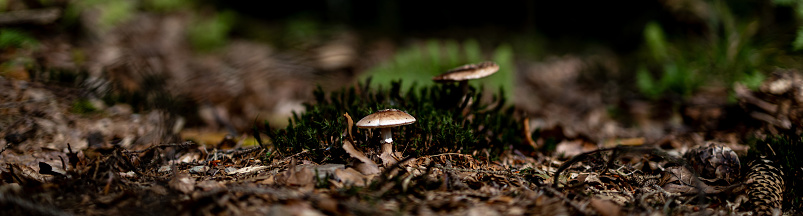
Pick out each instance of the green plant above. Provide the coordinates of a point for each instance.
(209, 33)
(300, 30)
(13, 38)
(441, 126)
(677, 67)
(797, 5)
(109, 13)
(82, 106)
(166, 5)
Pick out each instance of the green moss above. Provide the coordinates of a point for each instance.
(300, 30)
(110, 12)
(82, 106)
(166, 5)
(440, 126)
(13, 38)
(207, 34)
(115, 12)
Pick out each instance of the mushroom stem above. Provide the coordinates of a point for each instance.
(387, 148)
(464, 87)
(464, 91)
(387, 140)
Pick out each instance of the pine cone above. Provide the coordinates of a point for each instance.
(714, 162)
(765, 186)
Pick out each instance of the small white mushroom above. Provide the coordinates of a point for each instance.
(386, 119)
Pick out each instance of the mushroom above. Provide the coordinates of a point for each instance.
(468, 72)
(386, 119)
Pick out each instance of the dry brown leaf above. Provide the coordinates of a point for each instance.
(369, 167)
(387, 159)
(606, 207)
(270, 180)
(349, 124)
(209, 185)
(25, 173)
(366, 169)
(182, 182)
(682, 180)
(295, 207)
(350, 176)
(296, 177)
(570, 148)
(482, 209)
(328, 205)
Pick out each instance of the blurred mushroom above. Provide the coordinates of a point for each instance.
(386, 119)
(468, 72)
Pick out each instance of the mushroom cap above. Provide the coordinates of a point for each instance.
(385, 119)
(468, 72)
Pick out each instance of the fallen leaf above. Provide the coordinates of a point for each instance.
(387, 159)
(26, 174)
(209, 185)
(325, 170)
(292, 177)
(605, 207)
(479, 210)
(182, 182)
(350, 176)
(574, 147)
(370, 166)
(349, 124)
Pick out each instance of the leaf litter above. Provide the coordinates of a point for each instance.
(185, 178)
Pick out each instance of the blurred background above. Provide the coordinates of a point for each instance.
(591, 69)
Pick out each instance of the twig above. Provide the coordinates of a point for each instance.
(180, 145)
(236, 152)
(5, 147)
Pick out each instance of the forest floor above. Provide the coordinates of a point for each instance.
(111, 161)
(93, 116)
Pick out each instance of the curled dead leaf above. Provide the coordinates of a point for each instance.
(369, 167)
